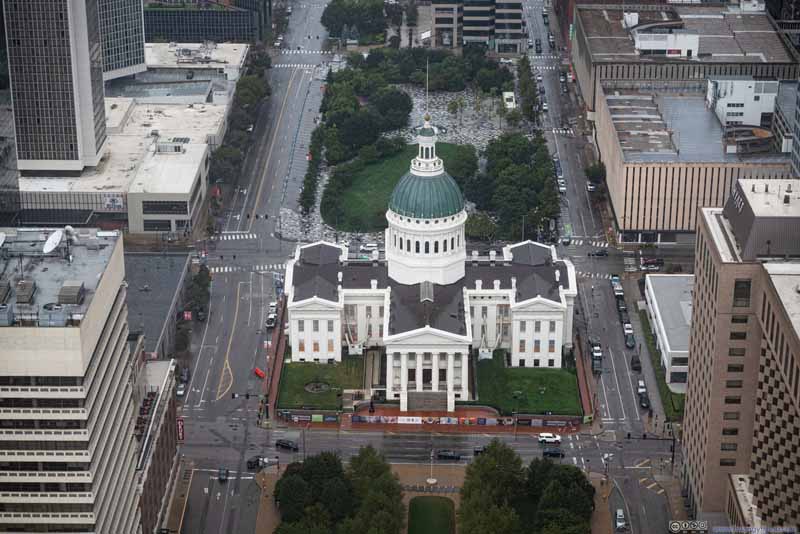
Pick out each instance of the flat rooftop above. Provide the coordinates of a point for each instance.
(726, 34)
(670, 127)
(785, 276)
(153, 281)
(138, 89)
(64, 279)
(194, 55)
(673, 300)
(130, 162)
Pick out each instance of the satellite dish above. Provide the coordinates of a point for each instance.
(53, 241)
(2, 238)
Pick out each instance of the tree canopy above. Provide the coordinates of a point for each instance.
(366, 16)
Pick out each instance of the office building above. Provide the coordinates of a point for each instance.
(122, 31)
(9, 182)
(55, 62)
(195, 22)
(741, 424)
(675, 43)
(67, 438)
(497, 25)
(667, 154)
(418, 311)
(669, 311)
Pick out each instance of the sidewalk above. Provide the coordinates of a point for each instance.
(268, 517)
(177, 505)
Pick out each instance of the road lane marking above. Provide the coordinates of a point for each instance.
(226, 366)
(202, 391)
(186, 501)
(643, 462)
(202, 344)
(619, 393)
(271, 147)
(642, 480)
(653, 485)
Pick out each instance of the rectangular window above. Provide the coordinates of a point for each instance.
(380, 330)
(484, 311)
(369, 329)
(521, 363)
(537, 345)
(730, 431)
(369, 311)
(736, 351)
(735, 368)
(301, 325)
(738, 336)
(727, 462)
(330, 326)
(380, 311)
(733, 400)
(330, 345)
(727, 447)
(164, 207)
(741, 293)
(522, 327)
(733, 384)
(536, 363)
(730, 416)
(551, 363)
(552, 326)
(301, 346)
(316, 346)
(315, 325)
(157, 225)
(551, 345)
(537, 326)
(739, 319)
(522, 345)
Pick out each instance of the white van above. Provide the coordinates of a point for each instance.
(641, 387)
(368, 247)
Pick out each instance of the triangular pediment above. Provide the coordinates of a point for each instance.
(426, 336)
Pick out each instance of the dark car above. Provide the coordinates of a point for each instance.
(287, 444)
(222, 475)
(185, 374)
(653, 261)
(447, 455)
(621, 307)
(623, 317)
(254, 463)
(477, 451)
(630, 341)
(553, 452)
(644, 401)
(599, 253)
(636, 365)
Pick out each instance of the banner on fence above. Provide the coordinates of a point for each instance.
(330, 418)
(448, 420)
(316, 418)
(409, 420)
(301, 418)
(555, 423)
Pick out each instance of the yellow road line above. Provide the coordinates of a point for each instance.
(226, 366)
(653, 485)
(642, 463)
(271, 146)
(642, 480)
(186, 501)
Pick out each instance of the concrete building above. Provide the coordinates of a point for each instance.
(122, 32)
(9, 183)
(742, 402)
(783, 121)
(666, 155)
(669, 309)
(55, 62)
(157, 436)
(67, 439)
(153, 178)
(498, 25)
(204, 60)
(724, 40)
(419, 311)
(195, 21)
(742, 100)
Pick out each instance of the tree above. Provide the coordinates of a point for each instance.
(335, 495)
(394, 105)
(497, 474)
(225, 163)
(293, 495)
(478, 515)
(596, 172)
(250, 90)
(480, 226)
(412, 13)
(513, 118)
(463, 165)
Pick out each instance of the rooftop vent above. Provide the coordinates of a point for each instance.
(71, 292)
(25, 290)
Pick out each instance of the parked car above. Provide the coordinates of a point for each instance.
(564, 89)
(506, 61)
(636, 365)
(590, 187)
(271, 320)
(545, 106)
(653, 261)
(477, 451)
(547, 437)
(623, 316)
(368, 247)
(596, 350)
(630, 341)
(640, 387)
(562, 78)
(644, 401)
(287, 444)
(542, 90)
(552, 452)
(254, 463)
(621, 307)
(600, 253)
(530, 43)
(619, 520)
(185, 375)
(447, 454)
(222, 474)
(627, 329)
(273, 307)
(180, 391)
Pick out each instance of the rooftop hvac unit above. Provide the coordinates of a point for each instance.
(71, 292)
(53, 315)
(25, 291)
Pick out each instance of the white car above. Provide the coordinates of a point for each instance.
(590, 187)
(368, 247)
(627, 329)
(273, 307)
(271, 320)
(539, 78)
(180, 391)
(544, 106)
(547, 437)
(506, 61)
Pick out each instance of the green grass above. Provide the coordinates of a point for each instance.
(349, 374)
(543, 390)
(364, 203)
(673, 402)
(431, 515)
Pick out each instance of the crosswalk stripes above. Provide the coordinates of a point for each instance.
(544, 67)
(544, 56)
(563, 131)
(240, 268)
(294, 65)
(235, 236)
(318, 52)
(589, 243)
(603, 276)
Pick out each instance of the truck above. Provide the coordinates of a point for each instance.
(597, 356)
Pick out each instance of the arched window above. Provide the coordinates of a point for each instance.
(416, 247)
(444, 245)
(436, 247)
(401, 243)
(427, 247)
(452, 243)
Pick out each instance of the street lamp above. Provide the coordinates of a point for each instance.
(517, 395)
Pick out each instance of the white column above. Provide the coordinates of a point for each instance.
(418, 371)
(567, 333)
(451, 396)
(464, 376)
(389, 374)
(404, 382)
(435, 372)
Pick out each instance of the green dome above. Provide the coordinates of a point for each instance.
(426, 197)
